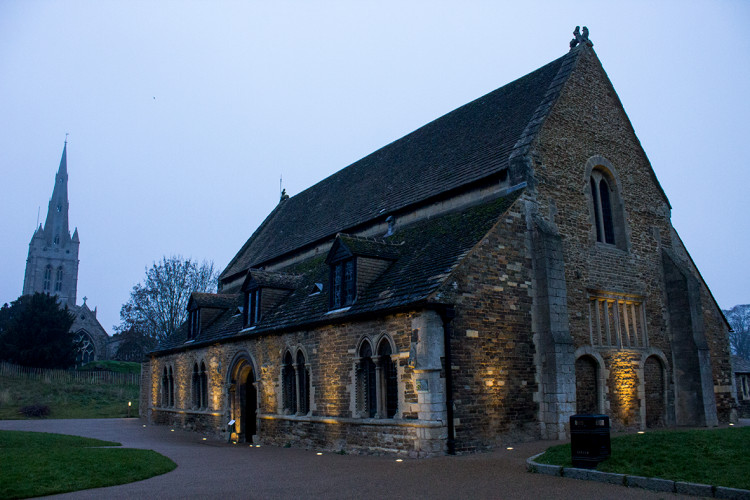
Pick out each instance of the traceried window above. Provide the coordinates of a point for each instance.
(617, 321)
(343, 283)
(377, 381)
(85, 350)
(601, 195)
(59, 279)
(47, 278)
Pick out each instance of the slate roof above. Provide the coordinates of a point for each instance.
(273, 279)
(466, 145)
(370, 247)
(428, 251)
(213, 300)
(740, 365)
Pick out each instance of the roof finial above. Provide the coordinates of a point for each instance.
(66, 137)
(580, 38)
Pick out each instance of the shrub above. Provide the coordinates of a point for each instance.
(39, 411)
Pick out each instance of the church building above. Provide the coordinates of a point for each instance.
(474, 283)
(52, 268)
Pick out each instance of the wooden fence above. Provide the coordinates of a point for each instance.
(69, 376)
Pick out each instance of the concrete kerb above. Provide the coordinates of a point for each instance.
(648, 483)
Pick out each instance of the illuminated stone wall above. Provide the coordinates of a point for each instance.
(494, 376)
(332, 423)
(586, 128)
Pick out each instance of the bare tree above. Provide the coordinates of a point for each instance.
(158, 306)
(739, 338)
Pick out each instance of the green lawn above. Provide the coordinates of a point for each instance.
(717, 457)
(74, 400)
(39, 463)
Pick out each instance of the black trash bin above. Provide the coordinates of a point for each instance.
(589, 440)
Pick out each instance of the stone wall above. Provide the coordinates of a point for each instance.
(587, 129)
(492, 348)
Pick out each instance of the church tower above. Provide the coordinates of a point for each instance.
(52, 265)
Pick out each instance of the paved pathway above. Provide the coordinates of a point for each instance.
(210, 469)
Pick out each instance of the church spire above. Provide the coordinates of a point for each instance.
(52, 264)
(56, 226)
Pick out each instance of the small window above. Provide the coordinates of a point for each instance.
(204, 386)
(289, 387)
(303, 382)
(167, 387)
(59, 279)
(47, 278)
(194, 324)
(200, 386)
(389, 380)
(252, 307)
(343, 283)
(367, 401)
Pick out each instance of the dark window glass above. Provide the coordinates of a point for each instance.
(290, 385)
(47, 277)
(390, 380)
(196, 387)
(595, 200)
(367, 379)
(343, 284)
(609, 229)
(253, 307)
(303, 382)
(58, 279)
(204, 386)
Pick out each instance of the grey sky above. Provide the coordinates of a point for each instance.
(183, 115)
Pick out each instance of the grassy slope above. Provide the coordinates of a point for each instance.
(717, 457)
(113, 366)
(37, 463)
(67, 401)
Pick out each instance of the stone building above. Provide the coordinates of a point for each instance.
(52, 267)
(741, 369)
(475, 282)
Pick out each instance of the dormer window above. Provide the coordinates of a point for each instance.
(252, 307)
(343, 283)
(194, 324)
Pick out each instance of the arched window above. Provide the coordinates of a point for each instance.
(366, 382)
(303, 385)
(204, 386)
(389, 380)
(86, 350)
(289, 387)
(47, 278)
(601, 196)
(377, 381)
(59, 279)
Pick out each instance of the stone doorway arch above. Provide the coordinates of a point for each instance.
(243, 399)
